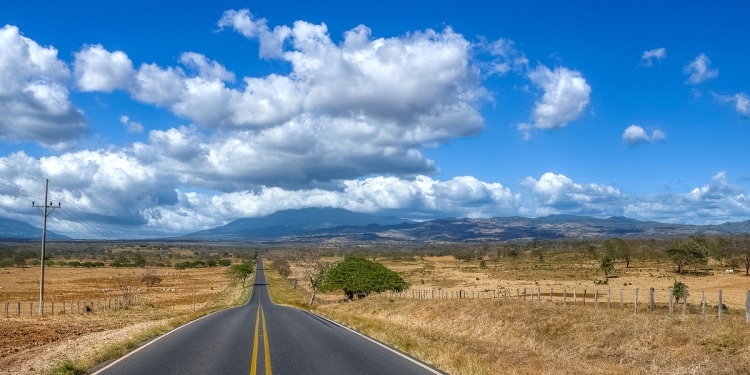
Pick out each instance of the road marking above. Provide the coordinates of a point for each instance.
(265, 344)
(254, 363)
(153, 341)
(420, 364)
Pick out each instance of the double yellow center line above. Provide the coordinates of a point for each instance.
(260, 316)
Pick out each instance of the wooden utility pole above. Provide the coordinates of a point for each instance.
(46, 211)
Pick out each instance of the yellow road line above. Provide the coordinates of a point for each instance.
(254, 363)
(265, 344)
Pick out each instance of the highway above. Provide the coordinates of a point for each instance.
(263, 338)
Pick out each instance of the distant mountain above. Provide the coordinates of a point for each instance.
(321, 224)
(296, 222)
(14, 229)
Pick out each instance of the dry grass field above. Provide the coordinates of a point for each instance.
(508, 336)
(32, 344)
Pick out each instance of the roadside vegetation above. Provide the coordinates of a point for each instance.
(509, 336)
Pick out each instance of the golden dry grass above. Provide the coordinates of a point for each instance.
(26, 336)
(507, 336)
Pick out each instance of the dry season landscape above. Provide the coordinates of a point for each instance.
(34, 344)
(491, 330)
(504, 335)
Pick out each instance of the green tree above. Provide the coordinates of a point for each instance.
(688, 253)
(607, 265)
(239, 272)
(49, 263)
(74, 264)
(359, 277)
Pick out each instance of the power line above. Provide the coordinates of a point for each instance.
(71, 227)
(11, 187)
(17, 196)
(20, 170)
(79, 207)
(70, 200)
(85, 224)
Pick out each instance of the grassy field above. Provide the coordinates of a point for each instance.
(34, 344)
(507, 336)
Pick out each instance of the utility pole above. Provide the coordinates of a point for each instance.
(48, 208)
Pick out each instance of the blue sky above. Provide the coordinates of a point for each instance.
(237, 109)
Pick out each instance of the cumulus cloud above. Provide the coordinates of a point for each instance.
(741, 102)
(566, 95)
(716, 202)
(34, 104)
(699, 70)
(138, 196)
(97, 69)
(346, 110)
(647, 58)
(556, 193)
(131, 126)
(634, 135)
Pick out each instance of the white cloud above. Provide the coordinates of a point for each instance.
(634, 135)
(700, 70)
(97, 69)
(131, 126)
(714, 203)
(556, 193)
(741, 102)
(361, 107)
(648, 56)
(505, 57)
(34, 104)
(566, 95)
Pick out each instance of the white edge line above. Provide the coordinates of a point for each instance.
(164, 335)
(423, 365)
(410, 359)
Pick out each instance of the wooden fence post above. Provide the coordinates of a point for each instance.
(584, 297)
(636, 301)
(565, 296)
(19, 309)
(703, 304)
(721, 305)
(550, 294)
(524, 294)
(53, 308)
(609, 292)
(596, 299)
(31, 309)
(651, 306)
(574, 296)
(518, 293)
(8, 303)
(539, 294)
(684, 304)
(747, 307)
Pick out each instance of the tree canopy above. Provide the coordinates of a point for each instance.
(688, 253)
(359, 277)
(240, 272)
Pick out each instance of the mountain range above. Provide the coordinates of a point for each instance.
(320, 224)
(18, 230)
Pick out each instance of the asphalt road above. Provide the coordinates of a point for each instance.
(262, 338)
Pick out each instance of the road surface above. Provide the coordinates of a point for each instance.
(262, 338)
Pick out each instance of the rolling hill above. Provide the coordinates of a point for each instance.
(19, 230)
(319, 224)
